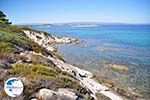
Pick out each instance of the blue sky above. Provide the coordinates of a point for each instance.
(59, 11)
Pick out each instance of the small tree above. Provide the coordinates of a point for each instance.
(3, 19)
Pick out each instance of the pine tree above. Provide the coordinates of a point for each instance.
(3, 19)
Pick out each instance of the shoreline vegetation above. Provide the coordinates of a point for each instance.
(29, 55)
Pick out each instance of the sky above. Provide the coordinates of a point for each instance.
(63, 11)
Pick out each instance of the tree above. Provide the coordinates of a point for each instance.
(3, 19)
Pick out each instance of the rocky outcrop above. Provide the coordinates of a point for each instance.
(45, 40)
(60, 94)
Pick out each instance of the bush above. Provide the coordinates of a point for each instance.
(6, 47)
(33, 70)
(59, 56)
(68, 82)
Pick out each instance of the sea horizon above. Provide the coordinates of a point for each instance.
(84, 22)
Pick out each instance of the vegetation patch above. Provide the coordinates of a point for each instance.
(60, 78)
(6, 48)
(15, 36)
(33, 70)
(59, 56)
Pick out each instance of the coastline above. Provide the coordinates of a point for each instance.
(84, 77)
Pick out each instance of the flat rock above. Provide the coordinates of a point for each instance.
(120, 68)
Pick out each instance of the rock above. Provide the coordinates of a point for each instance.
(115, 67)
(33, 99)
(11, 58)
(126, 93)
(60, 94)
(136, 94)
(107, 83)
(5, 65)
(46, 40)
(33, 85)
(102, 97)
(26, 47)
(68, 93)
(46, 94)
(18, 49)
(25, 80)
(123, 92)
(120, 68)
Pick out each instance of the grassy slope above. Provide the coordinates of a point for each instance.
(12, 36)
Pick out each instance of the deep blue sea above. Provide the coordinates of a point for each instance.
(117, 44)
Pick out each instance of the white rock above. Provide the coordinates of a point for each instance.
(67, 93)
(46, 93)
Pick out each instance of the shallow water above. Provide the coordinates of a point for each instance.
(118, 44)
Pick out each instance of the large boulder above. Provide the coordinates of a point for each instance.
(46, 94)
(60, 94)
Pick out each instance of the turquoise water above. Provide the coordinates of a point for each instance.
(118, 44)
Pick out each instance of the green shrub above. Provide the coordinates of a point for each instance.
(42, 70)
(65, 81)
(59, 56)
(33, 70)
(6, 47)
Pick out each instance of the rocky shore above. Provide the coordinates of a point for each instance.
(84, 77)
(29, 55)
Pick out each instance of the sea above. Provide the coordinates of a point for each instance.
(127, 45)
